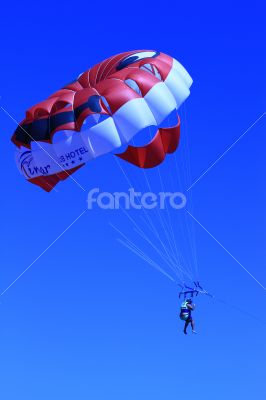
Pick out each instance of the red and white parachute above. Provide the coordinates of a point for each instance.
(102, 111)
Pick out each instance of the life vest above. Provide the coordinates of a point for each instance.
(185, 311)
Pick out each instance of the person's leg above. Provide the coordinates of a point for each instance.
(193, 326)
(185, 327)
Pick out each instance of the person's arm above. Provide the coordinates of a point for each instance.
(191, 306)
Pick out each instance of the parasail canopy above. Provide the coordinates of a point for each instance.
(103, 111)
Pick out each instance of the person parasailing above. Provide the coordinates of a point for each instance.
(186, 314)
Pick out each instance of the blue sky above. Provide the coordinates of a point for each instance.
(89, 319)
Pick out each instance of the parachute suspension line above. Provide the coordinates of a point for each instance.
(167, 238)
(179, 225)
(155, 231)
(185, 229)
(147, 259)
(144, 211)
(192, 225)
(176, 267)
(160, 213)
(164, 256)
(129, 244)
(180, 271)
(180, 258)
(168, 214)
(190, 194)
(241, 310)
(173, 263)
(162, 221)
